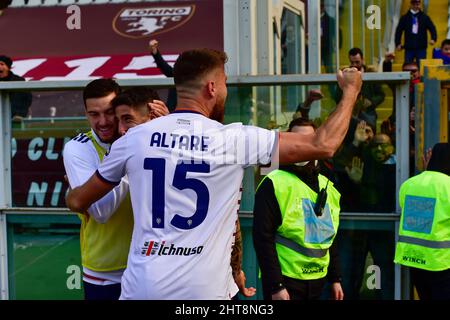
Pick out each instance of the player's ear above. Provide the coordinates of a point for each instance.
(211, 88)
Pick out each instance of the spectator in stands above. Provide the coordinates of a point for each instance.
(166, 69)
(370, 97)
(378, 179)
(20, 101)
(388, 125)
(410, 67)
(444, 52)
(3, 5)
(376, 182)
(304, 107)
(415, 24)
(328, 39)
(348, 166)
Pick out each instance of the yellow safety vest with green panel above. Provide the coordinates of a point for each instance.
(303, 239)
(105, 247)
(424, 232)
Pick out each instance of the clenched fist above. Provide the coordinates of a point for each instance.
(349, 79)
(153, 46)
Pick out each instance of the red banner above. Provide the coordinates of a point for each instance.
(112, 41)
(89, 67)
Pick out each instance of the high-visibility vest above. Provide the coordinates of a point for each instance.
(303, 239)
(105, 247)
(424, 231)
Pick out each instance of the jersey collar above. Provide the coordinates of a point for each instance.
(187, 111)
(102, 144)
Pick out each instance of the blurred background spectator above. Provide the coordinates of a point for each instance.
(415, 24)
(20, 101)
(444, 52)
(166, 69)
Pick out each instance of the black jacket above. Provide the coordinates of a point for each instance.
(266, 220)
(20, 101)
(167, 70)
(419, 40)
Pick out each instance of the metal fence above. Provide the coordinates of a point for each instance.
(9, 213)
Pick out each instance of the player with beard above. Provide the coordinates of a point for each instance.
(185, 172)
(106, 226)
(134, 107)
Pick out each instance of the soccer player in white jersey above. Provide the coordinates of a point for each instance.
(105, 232)
(103, 260)
(131, 109)
(185, 171)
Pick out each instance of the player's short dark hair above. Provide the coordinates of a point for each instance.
(446, 42)
(355, 51)
(135, 97)
(301, 122)
(193, 64)
(100, 88)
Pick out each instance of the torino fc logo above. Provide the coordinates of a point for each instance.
(143, 22)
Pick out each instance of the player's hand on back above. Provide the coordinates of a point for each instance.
(159, 109)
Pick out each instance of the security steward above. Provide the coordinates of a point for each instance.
(296, 217)
(424, 231)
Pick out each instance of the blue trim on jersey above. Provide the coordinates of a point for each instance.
(187, 111)
(104, 179)
(81, 137)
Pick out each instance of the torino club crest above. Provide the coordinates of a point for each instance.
(143, 22)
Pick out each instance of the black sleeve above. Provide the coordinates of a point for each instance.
(377, 96)
(162, 65)
(338, 94)
(432, 28)
(387, 66)
(334, 270)
(20, 103)
(399, 30)
(266, 220)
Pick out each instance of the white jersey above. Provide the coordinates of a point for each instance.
(81, 160)
(184, 172)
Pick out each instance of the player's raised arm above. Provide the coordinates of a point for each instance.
(295, 147)
(81, 198)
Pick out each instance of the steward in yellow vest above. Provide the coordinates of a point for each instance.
(291, 240)
(424, 231)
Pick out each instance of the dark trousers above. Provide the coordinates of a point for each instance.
(417, 54)
(431, 285)
(299, 289)
(96, 292)
(354, 246)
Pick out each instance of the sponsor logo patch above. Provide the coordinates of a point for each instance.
(151, 248)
